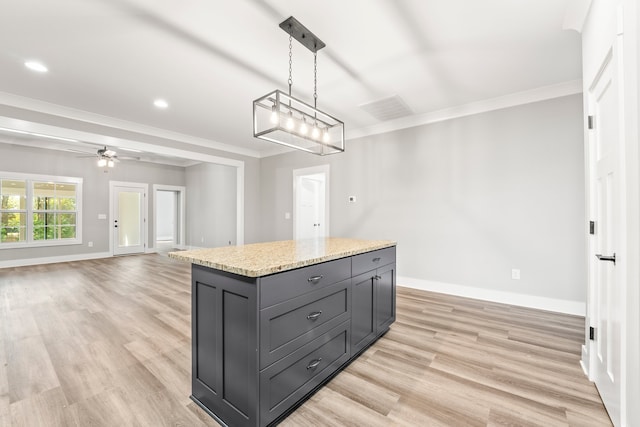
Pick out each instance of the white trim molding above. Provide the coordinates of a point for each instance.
(24, 262)
(577, 308)
(520, 98)
(576, 14)
(98, 121)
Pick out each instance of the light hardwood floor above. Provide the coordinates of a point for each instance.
(107, 343)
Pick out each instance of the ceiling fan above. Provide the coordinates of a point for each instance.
(106, 157)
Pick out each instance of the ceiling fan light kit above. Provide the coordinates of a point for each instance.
(281, 118)
(106, 158)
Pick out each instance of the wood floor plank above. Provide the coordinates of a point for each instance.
(108, 342)
(29, 367)
(49, 408)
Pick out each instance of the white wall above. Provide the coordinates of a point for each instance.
(467, 200)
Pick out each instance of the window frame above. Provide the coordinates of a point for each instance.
(30, 180)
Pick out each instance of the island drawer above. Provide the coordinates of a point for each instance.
(372, 260)
(287, 381)
(289, 325)
(290, 284)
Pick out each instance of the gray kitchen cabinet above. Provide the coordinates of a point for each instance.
(373, 307)
(262, 345)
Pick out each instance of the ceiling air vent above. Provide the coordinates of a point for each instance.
(389, 108)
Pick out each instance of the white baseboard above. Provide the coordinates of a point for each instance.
(577, 308)
(53, 259)
(584, 360)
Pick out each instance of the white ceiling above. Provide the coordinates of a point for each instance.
(109, 59)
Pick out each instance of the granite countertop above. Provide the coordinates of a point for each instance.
(262, 259)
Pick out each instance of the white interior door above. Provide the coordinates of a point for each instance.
(128, 218)
(310, 207)
(310, 202)
(605, 138)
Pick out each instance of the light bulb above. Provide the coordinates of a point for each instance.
(325, 136)
(102, 163)
(290, 123)
(274, 115)
(110, 163)
(315, 132)
(303, 127)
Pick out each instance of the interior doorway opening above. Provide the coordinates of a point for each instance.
(169, 217)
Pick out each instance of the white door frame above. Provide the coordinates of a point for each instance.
(112, 214)
(180, 243)
(322, 169)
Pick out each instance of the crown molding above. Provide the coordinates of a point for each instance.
(60, 111)
(571, 87)
(576, 14)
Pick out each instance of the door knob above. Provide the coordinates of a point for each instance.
(607, 258)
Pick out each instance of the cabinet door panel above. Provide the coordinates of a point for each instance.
(363, 328)
(385, 298)
(224, 344)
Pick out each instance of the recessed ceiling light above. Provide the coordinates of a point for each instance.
(161, 103)
(36, 66)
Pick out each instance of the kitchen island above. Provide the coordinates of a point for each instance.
(272, 322)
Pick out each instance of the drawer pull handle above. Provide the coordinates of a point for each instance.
(377, 259)
(314, 279)
(314, 363)
(314, 315)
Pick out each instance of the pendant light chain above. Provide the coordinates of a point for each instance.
(315, 79)
(290, 63)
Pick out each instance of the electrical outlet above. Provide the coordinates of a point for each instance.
(515, 274)
(90, 244)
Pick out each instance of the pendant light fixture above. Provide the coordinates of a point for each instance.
(281, 118)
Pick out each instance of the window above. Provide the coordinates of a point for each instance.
(13, 211)
(37, 210)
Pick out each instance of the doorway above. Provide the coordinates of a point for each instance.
(311, 202)
(128, 202)
(169, 217)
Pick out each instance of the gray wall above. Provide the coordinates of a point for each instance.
(95, 197)
(211, 205)
(467, 199)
